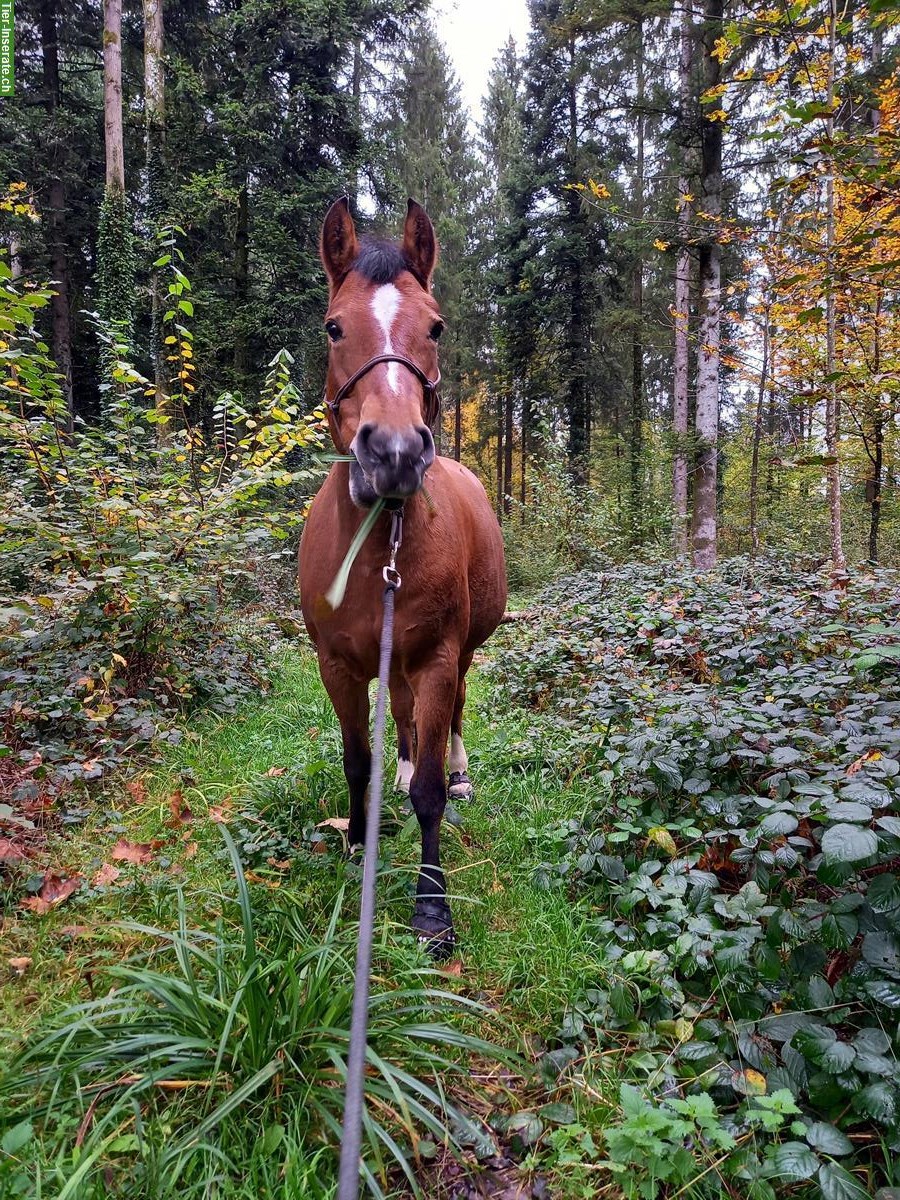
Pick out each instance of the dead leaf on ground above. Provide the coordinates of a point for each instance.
(74, 931)
(181, 812)
(106, 875)
(221, 813)
(255, 877)
(859, 763)
(137, 790)
(132, 852)
(274, 772)
(453, 968)
(54, 891)
(190, 850)
(19, 965)
(10, 852)
(341, 823)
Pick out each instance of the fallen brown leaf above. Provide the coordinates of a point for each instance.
(133, 852)
(106, 875)
(137, 790)
(10, 852)
(19, 965)
(75, 930)
(54, 891)
(341, 823)
(181, 812)
(274, 772)
(190, 850)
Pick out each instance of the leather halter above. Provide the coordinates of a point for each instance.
(429, 386)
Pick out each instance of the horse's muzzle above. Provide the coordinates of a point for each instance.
(393, 461)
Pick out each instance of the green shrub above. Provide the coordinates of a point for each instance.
(743, 728)
(125, 542)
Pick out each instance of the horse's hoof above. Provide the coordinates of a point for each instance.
(433, 927)
(460, 787)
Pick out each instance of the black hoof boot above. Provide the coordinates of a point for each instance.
(460, 786)
(433, 927)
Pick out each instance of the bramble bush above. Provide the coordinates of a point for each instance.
(743, 728)
(125, 542)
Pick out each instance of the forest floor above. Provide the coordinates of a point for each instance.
(271, 772)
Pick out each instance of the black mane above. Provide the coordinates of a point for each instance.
(380, 261)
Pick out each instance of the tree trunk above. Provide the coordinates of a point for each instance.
(757, 436)
(579, 417)
(508, 455)
(457, 421)
(112, 95)
(115, 248)
(637, 304)
(832, 399)
(155, 127)
(55, 213)
(710, 311)
(683, 298)
(499, 458)
(241, 286)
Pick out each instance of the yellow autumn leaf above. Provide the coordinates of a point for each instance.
(661, 837)
(660, 244)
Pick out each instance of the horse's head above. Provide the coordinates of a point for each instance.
(380, 306)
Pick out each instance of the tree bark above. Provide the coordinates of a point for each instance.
(155, 127)
(112, 95)
(637, 304)
(683, 297)
(508, 455)
(757, 437)
(241, 285)
(498, 464)
(579, 416)
(832, 398)
(55, 212)
(710, 311)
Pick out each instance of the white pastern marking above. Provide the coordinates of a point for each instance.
(404, 775)
(385, 304)
(459, 760)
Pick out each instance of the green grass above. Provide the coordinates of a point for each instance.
(273, 769)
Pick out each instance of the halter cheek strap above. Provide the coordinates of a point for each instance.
(429, 386)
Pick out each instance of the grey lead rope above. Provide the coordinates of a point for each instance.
(351, 1139)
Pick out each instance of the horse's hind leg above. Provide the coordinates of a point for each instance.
(431, 687)
(402, 712)
(350, 698)
(460, 784)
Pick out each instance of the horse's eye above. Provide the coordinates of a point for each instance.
(436, 330)
(333, 330)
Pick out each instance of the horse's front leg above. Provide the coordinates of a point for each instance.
(350, 698)
(434, 690)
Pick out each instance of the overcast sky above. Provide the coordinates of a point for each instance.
(473, 32)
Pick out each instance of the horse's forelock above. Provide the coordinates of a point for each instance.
(380, 261)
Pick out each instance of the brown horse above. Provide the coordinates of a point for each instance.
(383, 327)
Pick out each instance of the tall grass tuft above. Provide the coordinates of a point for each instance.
(215, 1067)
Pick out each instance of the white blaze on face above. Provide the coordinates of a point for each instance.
(385, 303)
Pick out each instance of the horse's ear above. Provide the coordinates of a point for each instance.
(338, 246)
(419, 243)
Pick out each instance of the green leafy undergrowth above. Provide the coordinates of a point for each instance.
(743, 866)
(129, 543)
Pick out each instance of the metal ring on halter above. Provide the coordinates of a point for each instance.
(391, 577)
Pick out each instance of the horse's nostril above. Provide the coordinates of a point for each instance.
(364, 435)
(427, 444)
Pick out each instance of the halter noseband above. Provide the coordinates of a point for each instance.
(429, 386)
